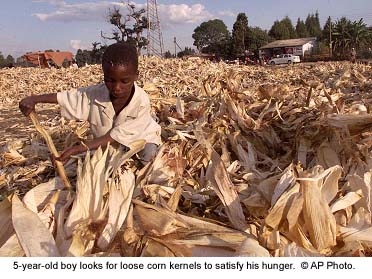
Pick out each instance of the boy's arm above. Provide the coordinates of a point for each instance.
(93, 144)
(27, 105)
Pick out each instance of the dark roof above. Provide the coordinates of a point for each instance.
(289, 43)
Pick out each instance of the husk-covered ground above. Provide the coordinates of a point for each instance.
(256, 161)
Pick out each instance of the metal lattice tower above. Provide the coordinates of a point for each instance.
(154, 35)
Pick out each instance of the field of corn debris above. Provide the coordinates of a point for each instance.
(256, 161)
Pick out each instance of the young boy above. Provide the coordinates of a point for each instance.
(117, 110)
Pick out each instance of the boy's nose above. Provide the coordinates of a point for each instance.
(116, 86)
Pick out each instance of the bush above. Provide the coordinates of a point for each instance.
(365, 54)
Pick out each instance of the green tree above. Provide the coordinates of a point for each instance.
(186, 51)
(282, 30)
(5, 62)
(128, 28)
(327, 28)
(341, 36)
(288, 24)
(258, 38)
(359, 34)
(2, 59)
(313, 25)
(79, 58)
(240, 35)
(83, 57)
(301, 30)
(20, 60)
(212, 37)
(9, 60)
(97, 52)
(168, 54)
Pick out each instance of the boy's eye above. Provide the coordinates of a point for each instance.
(121, 81)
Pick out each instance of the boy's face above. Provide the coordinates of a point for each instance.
(119, 80)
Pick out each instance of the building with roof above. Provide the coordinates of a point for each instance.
(48, 59)
(292, 46)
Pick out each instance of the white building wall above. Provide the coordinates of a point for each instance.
(308, 47)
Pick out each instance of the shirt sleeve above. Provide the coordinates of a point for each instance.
(74, 103)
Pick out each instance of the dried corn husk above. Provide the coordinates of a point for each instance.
(121, 192)
(33, 235)
(266, 127)
(5, 221)
(318, 217)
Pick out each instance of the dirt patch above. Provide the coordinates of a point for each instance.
(14, 125)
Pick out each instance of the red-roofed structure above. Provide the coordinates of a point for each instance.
(46, 59)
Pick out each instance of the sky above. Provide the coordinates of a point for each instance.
(37, 25)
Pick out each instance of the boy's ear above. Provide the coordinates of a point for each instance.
(136, 77)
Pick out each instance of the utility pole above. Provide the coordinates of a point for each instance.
(330, 37)
(175, 47)
(154, 35)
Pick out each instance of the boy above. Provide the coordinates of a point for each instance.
(117, 110)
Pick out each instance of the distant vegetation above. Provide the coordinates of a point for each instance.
(6, 61)
(213, 37)
(342, 35)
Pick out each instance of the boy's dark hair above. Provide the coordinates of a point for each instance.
(123, 54)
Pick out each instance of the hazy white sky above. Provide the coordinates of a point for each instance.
(27, 25)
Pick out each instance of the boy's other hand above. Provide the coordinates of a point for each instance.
(27, 105)
(65, 155)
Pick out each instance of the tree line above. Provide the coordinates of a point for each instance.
(7, 61)
(335, 37)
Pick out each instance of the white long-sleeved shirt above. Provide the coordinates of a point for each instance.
(94, 105)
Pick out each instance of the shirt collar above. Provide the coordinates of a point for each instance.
(131, 109)
(134, 105)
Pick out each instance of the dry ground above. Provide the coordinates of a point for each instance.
(15, 126)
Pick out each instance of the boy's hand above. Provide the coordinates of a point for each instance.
(65, 155)
(27, 105)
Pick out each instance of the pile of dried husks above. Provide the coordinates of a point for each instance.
(256, 161)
